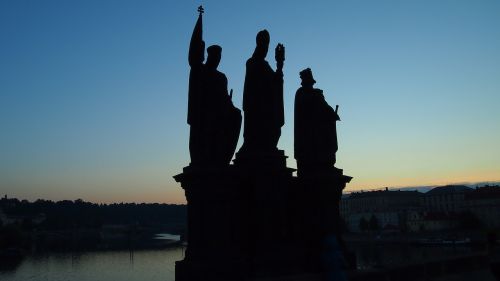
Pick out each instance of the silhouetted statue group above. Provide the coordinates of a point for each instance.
(255, 220)
(215, 122)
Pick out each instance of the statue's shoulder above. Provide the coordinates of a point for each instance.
(254, 62)
(250, 61)
(300, 91)
(221, 75)
(265, 63)
(301, 95)
(318, 94)
(318, 91)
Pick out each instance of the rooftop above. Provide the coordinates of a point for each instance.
(385, 193)
(448, 189)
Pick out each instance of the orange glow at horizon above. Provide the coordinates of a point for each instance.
(450, 178)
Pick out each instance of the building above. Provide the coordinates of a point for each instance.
(389, 208)
(441, 208)
(418, 221)
(446, 199)
(484, 203)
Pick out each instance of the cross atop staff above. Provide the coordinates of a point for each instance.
(201, 10)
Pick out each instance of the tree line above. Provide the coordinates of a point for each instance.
(68, 214)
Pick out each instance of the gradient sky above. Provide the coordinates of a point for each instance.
(93, 94)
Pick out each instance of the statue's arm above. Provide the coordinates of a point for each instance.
(298, 125)
(327, 108)
(249, 87)
(227, 97)
(224, 79)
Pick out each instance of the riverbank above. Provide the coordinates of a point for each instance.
(85, 239)
(474, 237)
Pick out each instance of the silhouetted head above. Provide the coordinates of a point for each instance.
(262, 41)
(307, 78)
(214, 55)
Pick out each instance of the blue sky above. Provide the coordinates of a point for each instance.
(93, 94)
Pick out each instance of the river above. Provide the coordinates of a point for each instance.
(151, 265)
(159, 265)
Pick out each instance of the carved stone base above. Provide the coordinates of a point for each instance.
(256, 223)
(320, 193)
(275, 159)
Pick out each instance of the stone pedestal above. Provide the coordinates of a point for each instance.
(254, 221)
(319, 193)
(217, 233)
(270, 182)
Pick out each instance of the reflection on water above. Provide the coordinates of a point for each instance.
(97, 266)
(383, 255)
(166, 236)
(159, 265)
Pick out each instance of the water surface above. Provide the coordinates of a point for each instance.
(156, 265)
(151, 265)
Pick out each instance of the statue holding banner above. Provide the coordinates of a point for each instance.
(215, 122)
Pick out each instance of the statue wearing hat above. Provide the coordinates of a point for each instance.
(315, 129)
(215, 122)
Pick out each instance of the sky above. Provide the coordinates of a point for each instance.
(93, 94)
